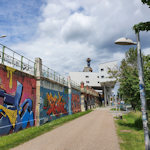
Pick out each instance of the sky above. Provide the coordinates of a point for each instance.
(66, 32)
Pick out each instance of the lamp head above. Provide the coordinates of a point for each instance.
(125, 41)
(2, 36)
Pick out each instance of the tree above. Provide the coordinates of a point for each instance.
(147, 78)
(127, 75)
(146, 2)
(129, 83)
(143, 26)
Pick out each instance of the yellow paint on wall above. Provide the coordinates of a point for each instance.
(12, 114)
(10, 75)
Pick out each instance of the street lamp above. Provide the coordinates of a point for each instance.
(3, 36)
(126, 41)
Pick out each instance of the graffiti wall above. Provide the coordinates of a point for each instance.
(75, 101)
(17, 100)
(53, 104)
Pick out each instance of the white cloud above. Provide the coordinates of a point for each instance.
(78, 27)
(71, 31)
(146, 51)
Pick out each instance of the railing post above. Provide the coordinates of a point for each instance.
(13, 59)
(21, 63)
(54, 75)
(3, 54)
(38, 64)
(47, 72)
(34, 68)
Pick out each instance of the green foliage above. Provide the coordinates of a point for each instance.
(142, 26)
(127, 75)
(129, 82)
(130, 131)
(138, 123)
(146, 2)
(147, 78)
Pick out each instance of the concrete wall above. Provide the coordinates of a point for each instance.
(17, 100)
(53, 101)
(27, 100)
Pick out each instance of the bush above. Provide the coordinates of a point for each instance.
(138, 123)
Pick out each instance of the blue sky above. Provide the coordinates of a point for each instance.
(64, 32)
(19, 19)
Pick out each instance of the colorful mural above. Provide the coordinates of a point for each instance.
(54, 104)
(17, 100)
(75, 102)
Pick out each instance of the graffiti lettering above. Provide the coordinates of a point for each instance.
(13, 115)
(55, 105)
(75, 103)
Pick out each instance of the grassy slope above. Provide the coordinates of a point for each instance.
(12, 140)
(130, 131)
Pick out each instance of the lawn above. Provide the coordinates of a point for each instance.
(12, 140)
(130, 131)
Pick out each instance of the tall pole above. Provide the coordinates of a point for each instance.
(105, 95)
(142, 94)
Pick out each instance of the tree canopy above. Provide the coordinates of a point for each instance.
(127, 75)
(146, 2)
(143, 26)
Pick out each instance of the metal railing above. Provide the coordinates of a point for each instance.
(53, 75)
(12, 59)
(75, 85)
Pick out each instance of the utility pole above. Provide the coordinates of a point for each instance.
(142, 94)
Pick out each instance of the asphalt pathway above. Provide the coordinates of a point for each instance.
(94, 131)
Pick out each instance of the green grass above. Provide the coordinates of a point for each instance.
(130, 131)
(14, 139)
(114, 109)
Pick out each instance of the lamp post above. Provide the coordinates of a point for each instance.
(126, 41)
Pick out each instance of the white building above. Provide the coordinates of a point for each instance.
(89, 78)
(98, 80)
(94, 79)
(104, 68)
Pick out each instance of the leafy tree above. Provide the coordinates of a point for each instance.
(143, 26)
(129, 83)
(146, 2)
(127, 75)
(147, 78)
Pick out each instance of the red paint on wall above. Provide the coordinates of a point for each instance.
(28, 82)
(55, 105)
(75, 103)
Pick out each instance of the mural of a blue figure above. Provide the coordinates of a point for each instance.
(15, 116)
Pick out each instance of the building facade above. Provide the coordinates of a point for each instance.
(100, 80)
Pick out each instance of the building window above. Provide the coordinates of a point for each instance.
(102, 76)
(102, 69)
(87, 76)
(97, 76)
(87, 81)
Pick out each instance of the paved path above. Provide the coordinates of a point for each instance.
(94, 131)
